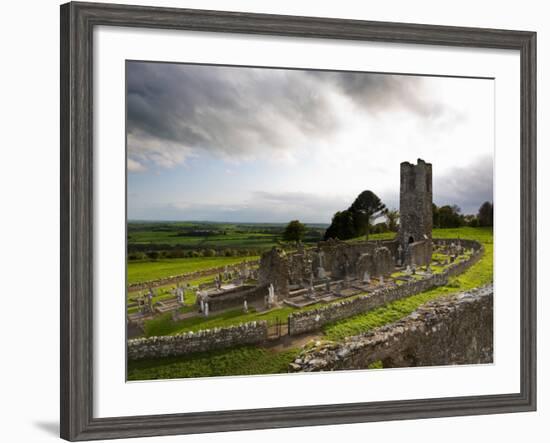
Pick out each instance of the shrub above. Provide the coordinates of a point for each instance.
(137, 255)
(153, 255)
(209, 253)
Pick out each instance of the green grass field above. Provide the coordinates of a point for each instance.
(232, 240)
(141, 271)
(203, 235)
(249, 360)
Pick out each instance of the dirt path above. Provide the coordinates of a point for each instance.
(291, 341)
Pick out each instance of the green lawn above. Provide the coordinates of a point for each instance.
(232, 240)
(141, 271)
(248, 360)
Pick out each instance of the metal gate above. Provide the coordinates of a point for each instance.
(276, 330)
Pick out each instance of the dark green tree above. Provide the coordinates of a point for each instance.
(342, 226)
(435, 216)
(357, 219)
(450, 217)
(294, 231)
(471, 220)
(485, 214)
(366, 208)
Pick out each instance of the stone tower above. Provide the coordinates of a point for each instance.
(415, 208)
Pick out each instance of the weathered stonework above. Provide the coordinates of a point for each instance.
(342, 259)
(415, 210)
(314, 320)
(449, 331)
(274, 269)
(380, 262)
(235, 297)
(419, 253)
(300, 266)
(200, 341)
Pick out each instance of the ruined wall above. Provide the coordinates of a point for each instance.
(341, 259)
(205, 340)
(379, 262)
(419, 253)
(448, 331)
(274, 269)
(300, 266)
(315, 319)
(236, 297)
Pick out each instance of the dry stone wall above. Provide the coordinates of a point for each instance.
(189, 342)
(186, 277)
(312, 320)
(449, 331)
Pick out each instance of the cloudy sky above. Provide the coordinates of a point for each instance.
(270, 145)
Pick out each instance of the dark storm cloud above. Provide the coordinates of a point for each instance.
(467, 187)
(175, 110)
(379, 92)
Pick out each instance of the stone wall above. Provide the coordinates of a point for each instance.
(186, 277)
(205, 340)
(449, 331)
(342, 259)
(274, 269)
(315, 319)
(380, 262)
(235, 298)
(419, 253)
(467, 244)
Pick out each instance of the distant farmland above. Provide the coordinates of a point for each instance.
(157, 250)
(143, 236)
(142, 271)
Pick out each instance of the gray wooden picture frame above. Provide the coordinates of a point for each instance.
(77, 23)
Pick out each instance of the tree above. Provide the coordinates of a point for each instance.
(471, 220)
(485, 214)
(366, 208)
(342, 226)
(357, 219)
(392, 217)
(450, 217)
(153, 255)
(294, 231)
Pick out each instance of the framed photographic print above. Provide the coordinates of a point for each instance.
(273, 221)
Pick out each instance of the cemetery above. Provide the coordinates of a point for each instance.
(308, 287)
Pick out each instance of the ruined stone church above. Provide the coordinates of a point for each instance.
(337, 260)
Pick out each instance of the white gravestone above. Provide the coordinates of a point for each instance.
(366, 277)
